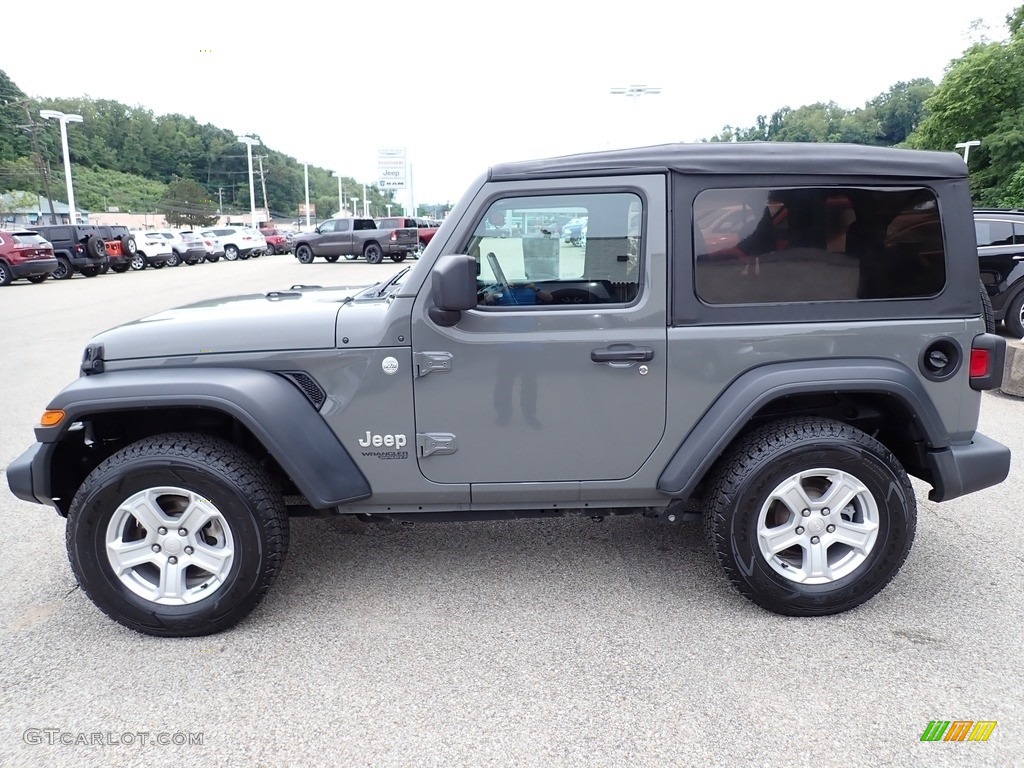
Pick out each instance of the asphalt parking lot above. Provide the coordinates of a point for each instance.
(555, 642)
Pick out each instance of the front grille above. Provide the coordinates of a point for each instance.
(313, 391)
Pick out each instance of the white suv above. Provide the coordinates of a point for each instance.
(239, 242)
(152, 250)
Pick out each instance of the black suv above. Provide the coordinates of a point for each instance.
(1000, 236)
(80, 248)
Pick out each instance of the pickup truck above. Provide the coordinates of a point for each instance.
(354, 237)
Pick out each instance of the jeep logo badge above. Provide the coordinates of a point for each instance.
(390, 366)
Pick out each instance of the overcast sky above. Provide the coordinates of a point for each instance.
(464, 85)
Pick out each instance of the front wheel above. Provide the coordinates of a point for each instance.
(1015, 316)
(138, 262)
(177, 535)
(810, 516)
(373, 254)
(304, 254)
(331, 259)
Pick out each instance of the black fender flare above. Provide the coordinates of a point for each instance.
(270, 406)
(756, 388)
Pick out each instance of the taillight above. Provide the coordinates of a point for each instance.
(394, 234)
(79, 248)
(988, 355)
(980, 360)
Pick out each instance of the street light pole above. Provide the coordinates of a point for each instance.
(966, 147)
(366, 204)
(341, 196)
(634, 92)
(305, 169)
(249, 141)
(52, 114)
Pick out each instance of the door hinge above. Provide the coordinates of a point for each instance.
(429, 362)
(435, 443)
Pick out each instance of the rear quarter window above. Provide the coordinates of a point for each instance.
(806, 244)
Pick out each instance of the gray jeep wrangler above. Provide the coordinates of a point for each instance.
(769, 336)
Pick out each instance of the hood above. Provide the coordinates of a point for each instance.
(263, 322)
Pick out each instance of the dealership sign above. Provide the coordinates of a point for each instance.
(391, 168)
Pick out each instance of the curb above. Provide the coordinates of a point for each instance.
(1013, 370)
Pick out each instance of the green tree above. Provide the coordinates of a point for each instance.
(900, 110)
(186, 203)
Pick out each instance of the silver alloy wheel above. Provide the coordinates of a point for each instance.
(818, 526)
(138, 261)
(170, 546)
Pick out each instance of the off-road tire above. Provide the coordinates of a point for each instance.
(221, 474)
(95, 247)
(751, 471)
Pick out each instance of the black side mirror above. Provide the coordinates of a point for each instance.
(453, 288)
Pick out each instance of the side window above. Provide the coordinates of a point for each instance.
(559, 250)
(328, 226)
(341, 225)
(992, 232)
(754, 246)
(364, 224)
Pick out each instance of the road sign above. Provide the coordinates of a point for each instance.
(391, 169)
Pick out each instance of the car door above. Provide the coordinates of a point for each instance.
(559, 373)
(1000, 258)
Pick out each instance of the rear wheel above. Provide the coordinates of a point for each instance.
(173, 260)
(271, 250)
(90, 271)
(38, 278)
(177, 535)
(119, 268)
(810, 516)
(63, 270)
(138, 262)
(350, 257)
(373, 253)
(230, 252)
(213, 259)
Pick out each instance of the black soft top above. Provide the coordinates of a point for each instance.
(776, 158)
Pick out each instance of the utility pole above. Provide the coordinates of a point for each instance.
(39, 161)
(220, 200)
(263, 183)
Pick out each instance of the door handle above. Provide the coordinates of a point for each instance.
(622, 353)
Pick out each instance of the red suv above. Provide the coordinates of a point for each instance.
(277, 241)
(25, 254)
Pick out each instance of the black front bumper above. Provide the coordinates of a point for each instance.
(28, 476)
(962, 469)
